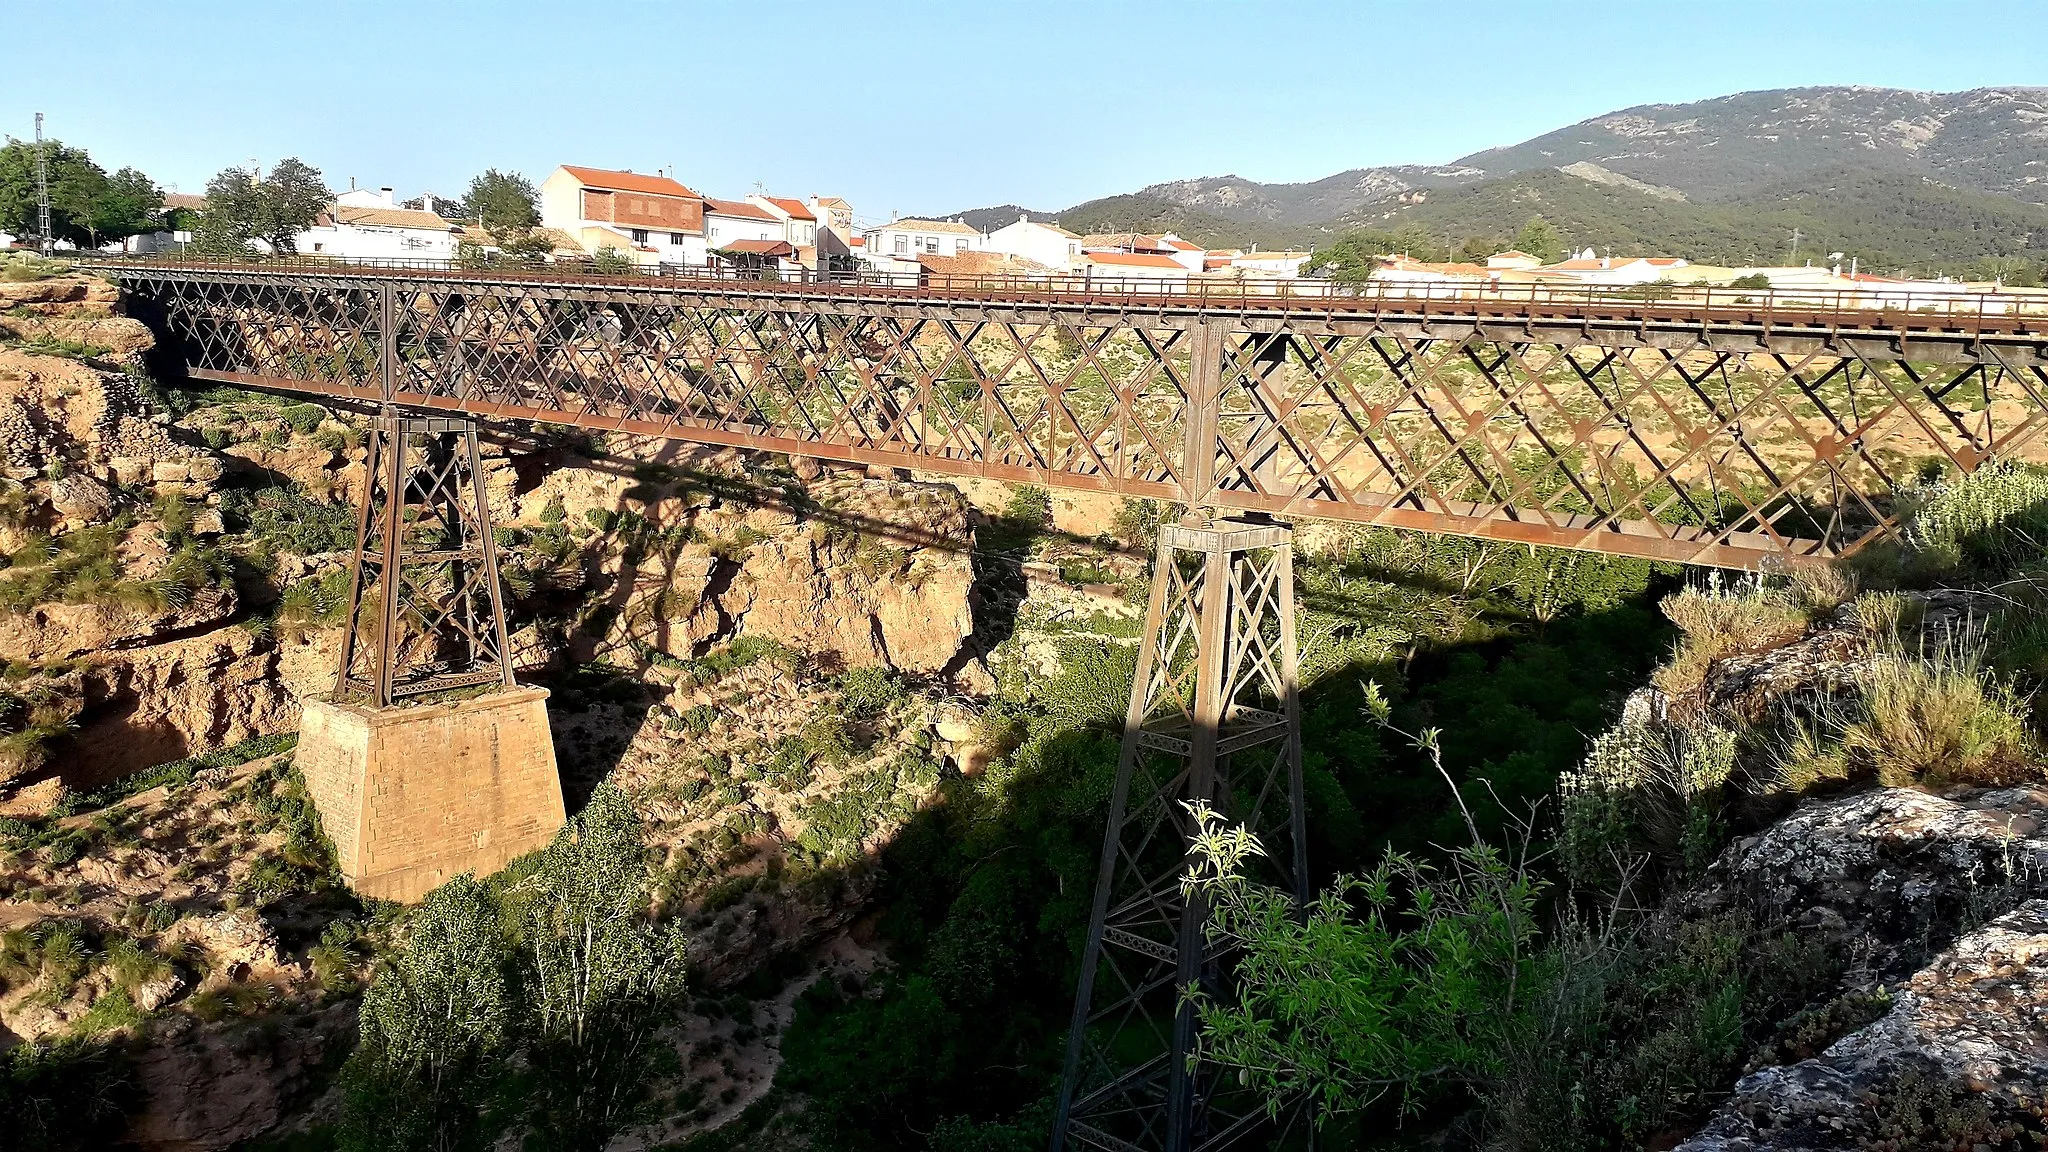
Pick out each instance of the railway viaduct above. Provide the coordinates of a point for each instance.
(1702, 426)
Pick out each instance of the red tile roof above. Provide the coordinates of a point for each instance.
(795, 208)
(1179, 245)
(738, 208)
(761, 247)
(1135, 259)
(627, 181)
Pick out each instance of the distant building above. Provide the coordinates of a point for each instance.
(979, 264)
(909, 238)
(368, 225)
(1046, 244)
(1123, 267)
(1514, 259)
(727, 222)
(1623, 270)
(799, 223)
(1275, 263)
(836, 234)
(652, 219)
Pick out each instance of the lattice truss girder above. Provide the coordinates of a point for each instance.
(1213, 718)
(1692, 454)
(426, 609)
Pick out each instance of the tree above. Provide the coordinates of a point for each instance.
(87, 206)
(435, 1026)
(129, 204)
(241, 207)
(1540, 239)
(601, 979)
(503, 202)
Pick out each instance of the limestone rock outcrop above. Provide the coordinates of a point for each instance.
(1898, 869)
(1960, 1060)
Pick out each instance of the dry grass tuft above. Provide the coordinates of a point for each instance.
(1721, 620)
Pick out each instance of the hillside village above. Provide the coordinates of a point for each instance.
(631, 221)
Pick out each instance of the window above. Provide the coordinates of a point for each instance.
(675, 238)
(931, 244)
(902, 245)
(959, 246)
(639, 235)
(714, 232)
(1073, 249)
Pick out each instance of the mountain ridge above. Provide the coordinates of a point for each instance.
(1940, 180)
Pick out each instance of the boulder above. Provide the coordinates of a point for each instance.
(1896, 869)
(1959, 1061)
(81, 500)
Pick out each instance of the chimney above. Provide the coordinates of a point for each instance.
(1023, 219)
(427, 201)
(386, 194)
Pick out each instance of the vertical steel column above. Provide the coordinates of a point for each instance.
(1213, 717)
(424, 543)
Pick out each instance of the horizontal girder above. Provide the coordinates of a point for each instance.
(1717, 435)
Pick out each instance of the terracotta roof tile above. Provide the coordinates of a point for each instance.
(795, 208)
(760, 247)
(627, 181)
(916, 224)
(1135, 260)
(738, 208)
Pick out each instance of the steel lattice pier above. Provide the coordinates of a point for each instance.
(1214, 718)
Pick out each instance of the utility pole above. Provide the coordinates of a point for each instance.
(1795, 248)
(42, 189)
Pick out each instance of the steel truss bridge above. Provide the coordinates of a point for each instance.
(1714, 428)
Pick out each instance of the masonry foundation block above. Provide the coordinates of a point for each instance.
(412, 796)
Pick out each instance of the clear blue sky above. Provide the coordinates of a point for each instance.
(927, 107)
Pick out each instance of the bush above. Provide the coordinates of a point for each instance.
(1933, 718)
(1990, 520)
(869, 692)
(1644, 793)
(1721, 620)
(304, 418)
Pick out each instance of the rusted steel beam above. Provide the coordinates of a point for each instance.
(1713, 442)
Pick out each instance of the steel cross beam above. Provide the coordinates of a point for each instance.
(1702, 434)
(426, 612)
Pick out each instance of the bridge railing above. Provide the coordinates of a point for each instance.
(1907, 303)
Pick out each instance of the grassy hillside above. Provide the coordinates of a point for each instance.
(1891, 221)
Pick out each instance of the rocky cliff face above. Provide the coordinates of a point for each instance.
(1941, 896)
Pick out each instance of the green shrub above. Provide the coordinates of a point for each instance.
(289, 521)
(1644, 792)
(869, 691)
(1990, 520)
(304, 418)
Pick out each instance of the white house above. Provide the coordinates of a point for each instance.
(909, 238)
(727, 222)
(651, 218)
(1621, 270)
(1276, 263)
(1124, 267)
(799, 223)
(366, 225)
(1034, 240)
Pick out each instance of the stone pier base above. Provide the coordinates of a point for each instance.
(412, 796)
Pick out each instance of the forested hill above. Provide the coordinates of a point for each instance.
(1990, 139)
(1904, 180)
(1889, 220)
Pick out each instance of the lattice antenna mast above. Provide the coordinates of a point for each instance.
(42, 188)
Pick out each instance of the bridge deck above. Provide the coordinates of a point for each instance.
(1711, 427)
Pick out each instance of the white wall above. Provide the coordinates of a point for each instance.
(721, 230)
(882, 241)
(1034, 241)
(375, 242)
(561, 201)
